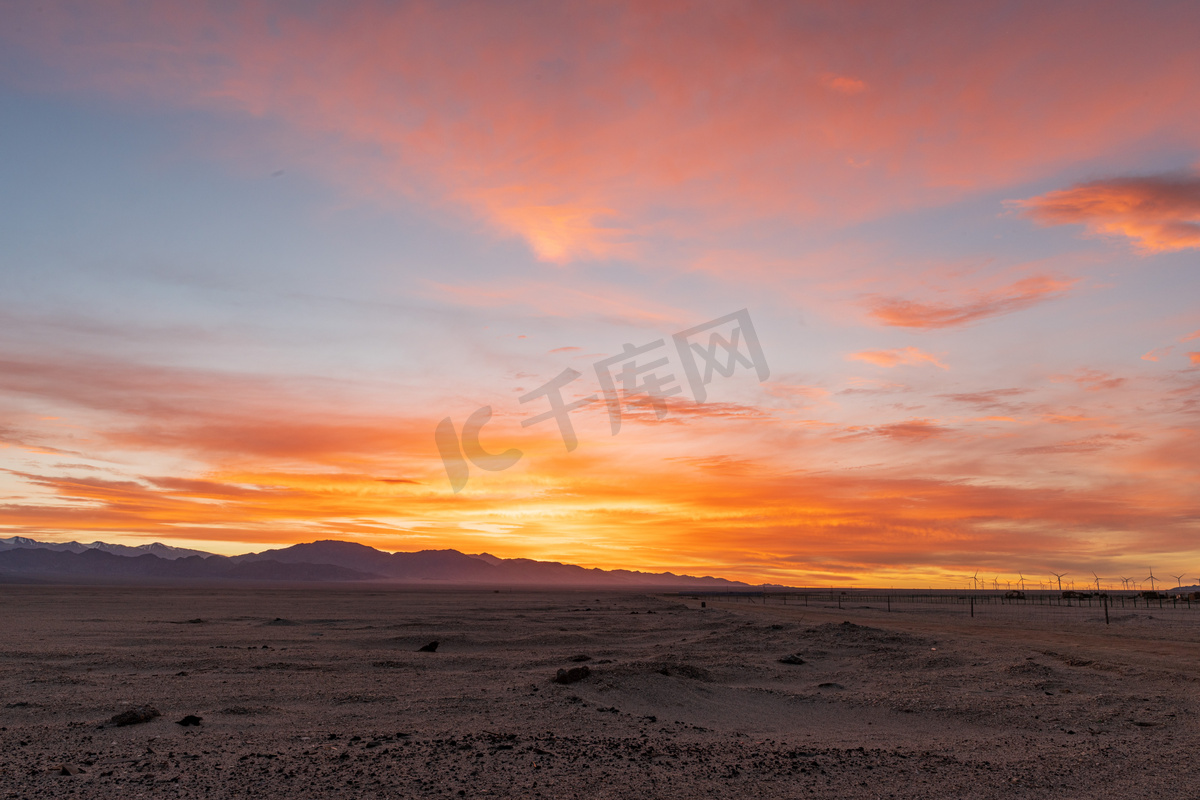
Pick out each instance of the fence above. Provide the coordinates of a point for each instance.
(999, 606)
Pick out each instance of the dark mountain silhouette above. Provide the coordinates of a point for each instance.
(327, 560)
(438, 565)
(453, 566)
(99, 564)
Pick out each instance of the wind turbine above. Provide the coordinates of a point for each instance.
(1152, 579)
(975, 580)
(1021, 580)
(996, 583)
(1178, 581)
(1125, 583)
(1097, 577)
(1060, 576)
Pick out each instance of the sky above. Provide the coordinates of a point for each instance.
(278, 272)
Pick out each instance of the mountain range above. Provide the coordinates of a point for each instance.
(157, 548)
(327, 560)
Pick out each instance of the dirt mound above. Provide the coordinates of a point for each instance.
(847, 634)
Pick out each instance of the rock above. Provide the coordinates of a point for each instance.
(196, 621)
(135, 716)
(581, 657)
(66, 769)
(280, 621)
(429, 648)
(830, 686)
(792, 659)
(572, 675)
(190, 719)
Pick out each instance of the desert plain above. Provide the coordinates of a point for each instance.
(324, 692)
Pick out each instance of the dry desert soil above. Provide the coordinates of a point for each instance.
(323, 693)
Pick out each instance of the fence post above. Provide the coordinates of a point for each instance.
(1105, 610)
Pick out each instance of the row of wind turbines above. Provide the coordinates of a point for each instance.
(1127, 584)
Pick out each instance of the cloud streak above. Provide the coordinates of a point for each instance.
(910, 356)
(1020, 295)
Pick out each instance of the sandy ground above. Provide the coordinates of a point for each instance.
(322, 693)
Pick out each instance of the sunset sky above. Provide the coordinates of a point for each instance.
(254, 252)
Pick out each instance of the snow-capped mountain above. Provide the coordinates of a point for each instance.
(159, 549)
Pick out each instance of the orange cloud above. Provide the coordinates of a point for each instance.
(1154, 354)
(802, 497)
(896, 357)
(1158, 213)
(1022, 294)
(1195, 357)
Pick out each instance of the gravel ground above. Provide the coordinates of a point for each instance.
(321, 692)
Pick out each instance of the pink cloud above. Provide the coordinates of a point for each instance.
(584, 129)
(844, 83)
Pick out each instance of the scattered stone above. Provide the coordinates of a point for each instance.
(572, 675)
(830, 685)
(581, 657)
(429, 648)
(280, 621)
(135, 716)
(65, 769)
(190, 719)
(792, 659)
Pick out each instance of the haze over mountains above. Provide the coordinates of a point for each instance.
(328, 560)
